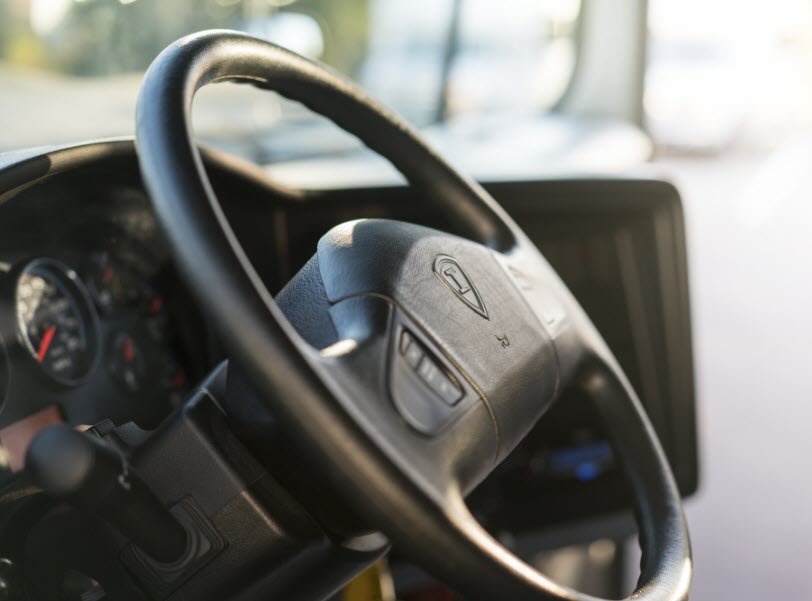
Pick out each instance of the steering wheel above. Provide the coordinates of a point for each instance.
(407, 361)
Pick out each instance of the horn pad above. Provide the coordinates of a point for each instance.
(461, 326)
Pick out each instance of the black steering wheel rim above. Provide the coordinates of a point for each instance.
(432, 524)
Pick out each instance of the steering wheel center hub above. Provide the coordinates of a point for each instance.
(460, 325)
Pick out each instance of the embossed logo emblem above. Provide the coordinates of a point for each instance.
(452, 275)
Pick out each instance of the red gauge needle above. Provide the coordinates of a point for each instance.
(155, 305)
(45, 343)
(129, 350)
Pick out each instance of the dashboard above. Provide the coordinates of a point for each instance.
(96, 322)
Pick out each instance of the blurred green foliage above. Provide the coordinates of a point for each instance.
(105, 37)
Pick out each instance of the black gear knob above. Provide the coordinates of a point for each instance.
(88, 473)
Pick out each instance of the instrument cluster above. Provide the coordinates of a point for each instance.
(92, 331)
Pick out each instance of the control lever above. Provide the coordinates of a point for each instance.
(88, 473)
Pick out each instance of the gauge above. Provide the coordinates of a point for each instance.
(56, 320)
(111, 285)
(175, 381)
(156, 318)
(127, 365)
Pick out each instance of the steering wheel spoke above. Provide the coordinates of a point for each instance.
(385, 392)
(552, 303)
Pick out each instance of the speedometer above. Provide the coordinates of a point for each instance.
(56, 319)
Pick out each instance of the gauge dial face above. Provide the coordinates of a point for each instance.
(56, 320)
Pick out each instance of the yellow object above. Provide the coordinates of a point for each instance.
(373, 584)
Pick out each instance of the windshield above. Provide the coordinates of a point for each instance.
(70, 69)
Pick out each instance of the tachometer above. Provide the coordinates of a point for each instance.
(57, 321)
